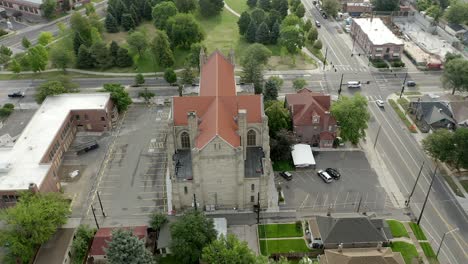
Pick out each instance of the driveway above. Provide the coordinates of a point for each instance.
(358, 187)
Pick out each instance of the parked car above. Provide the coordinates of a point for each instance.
(324, 15)
(325, 176)
(16, 94)
(379, 103)
(286, 175)
(333, 173)
(317, 23)
(410, 83)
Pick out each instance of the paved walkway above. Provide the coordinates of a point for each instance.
(231, 10)
(415, 242)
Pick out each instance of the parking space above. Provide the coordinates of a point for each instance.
(131, 183)
(358, 187)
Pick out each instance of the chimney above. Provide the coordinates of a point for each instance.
(340, 247)
(33, 187)
(232, 58)
(379, 246)
(192, 126)
(326, 119)
(242, 129)
(202, 58)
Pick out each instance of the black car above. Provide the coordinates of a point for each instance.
(410, 83)
(334, 173)
(324, 15)
(16, 94)
(287, 175)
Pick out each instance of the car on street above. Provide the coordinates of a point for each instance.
(317, 23)
(333, 173)
(286, 175)
(324, 15)
(379, 103)
(16, 95)
(325, 176)
(354, 84)
(410, 83)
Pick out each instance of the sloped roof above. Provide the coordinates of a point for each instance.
(306, 103)
(349, 230)
(460, 110)
(218, 104)
(362, 256)
(104, 236)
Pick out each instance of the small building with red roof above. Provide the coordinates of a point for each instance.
(312, 122)
(218, 144)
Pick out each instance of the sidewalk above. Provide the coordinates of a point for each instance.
(415, 242)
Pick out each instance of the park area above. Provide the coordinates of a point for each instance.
(281, 238)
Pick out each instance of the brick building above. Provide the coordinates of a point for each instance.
(218, 147)
(33, 162)
(377, 41)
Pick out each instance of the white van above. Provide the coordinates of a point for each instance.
(354, 84)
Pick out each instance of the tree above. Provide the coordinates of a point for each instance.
(4, 50)
(126, 248)
(272, 17)
(66, 6)
(57, 86)
(244, 22)
(318, 44)
(458, 12)
(253, 62)
(37, 57)
(460, 141)
(300, 10)
(123, 58)
(81, 28)
(228, 250)
(307, 26)
(455, 75)
(258, 15)
(32, 222)
(263, 34)
(187, 75)
(270, 91)
(292, 38)
(190, 234)
(61, 57)
(264, 4)
(352, 114)
(83, 237)
(193, 59)
(281, 6)
(250, 34)
(450, 56)
(137, 41)
(113, 50)
(275, 33)
(299, 83)
(48, 8)
(331, 7)
(162, 12)
(128, 22)
(89, 9)
(157, 220)
(278, 117)
(312, 35)
(291, 20)
(440, 145)
(139, 79)
(186, 6)
(293, 5)
(101, 55)
(211, 7)
(252, 3)
(111, 23)
(15, 67)
(184, 30)
(25, 43)
(119, 96)
(170, 76)
(386, 5)
(161, 50)
(84, 60)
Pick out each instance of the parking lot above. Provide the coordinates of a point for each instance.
(131, 181)
(357, 188)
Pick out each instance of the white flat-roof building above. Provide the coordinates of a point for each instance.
(376, 39)
(33, 161)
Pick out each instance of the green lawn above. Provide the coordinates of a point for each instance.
(279, 230)
(431, 256)
(283, 246)
(464, 183)
(455, 189)
(168, 260)
(404, 103)
(418, 232)
(397, 228)
(49, 75)
(408, 251)
(402, 115)
(237, 5)
(283, 165)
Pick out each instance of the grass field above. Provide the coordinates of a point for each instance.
(279, 230)
(397, 228)
(418, 232)
(402, 115)
(167, 260)
(455, 189)
(283, 165)
(464, 183)
(431, 256)
(283, 246)
(49, 75)
(237, 5)
(408, 251)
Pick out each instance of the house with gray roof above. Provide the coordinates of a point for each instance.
(353, 232)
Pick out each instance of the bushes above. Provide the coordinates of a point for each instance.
(397, 64)
(379, 63)
(6, 110)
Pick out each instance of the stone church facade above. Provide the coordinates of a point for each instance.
(218, 144)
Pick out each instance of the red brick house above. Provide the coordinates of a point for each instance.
(311, 118)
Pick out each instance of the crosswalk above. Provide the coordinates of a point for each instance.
(349, 68)
(373, 98)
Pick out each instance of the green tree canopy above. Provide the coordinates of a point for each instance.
(25, 43)
(184, 30)
(450, 56)
(111, 24)
(292, 38)
(331, 7)
(243, 22)
(119, 96)
(460, 140)
(299, 83)
(45, 38)
(291, 20)
(312, 35)
(83, 237)
(126, 248)
(157, 220)
(386, 5)
(123, 59)
(101, 55)
(139, 79)
(281, 145)
(281, 6)
(38, 57)
(84, 60)
(263, 34)
(455, 75)
(458, 12)
(211, 7)
(15, 66)
(170, 76)
(60, 84)
(253, 62)
(186, 6)
(270, 91)
(275, 33)
(251, 33)
(264, 4)
(32, 222)
(300, 10)
(162, 12)
(187, 75)
(440, 145)
(193, 59)
(228, 250)
(161, 50)
(278, 117)
(258, 15)
(48, 8)
(137, 41)
(61, 57)
(352, 115)
(190, 234)
(252, 3)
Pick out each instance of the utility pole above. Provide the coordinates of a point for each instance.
(258, 208)
(94, 214)
(428, 192)
(195, 202)
(100, 203)
(414, 187)
(341, 83)
(403, 85)
(359, 204)
(325, 59)
(377, 137)
(442, 241)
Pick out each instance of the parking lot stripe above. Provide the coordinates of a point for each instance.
(153, 199)
(334, 204)
(325, 200)
(346, 200)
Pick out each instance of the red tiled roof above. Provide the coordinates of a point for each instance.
(305, 103)
(218, 105)
(104, 236)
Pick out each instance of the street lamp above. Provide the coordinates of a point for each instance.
(442, 241)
